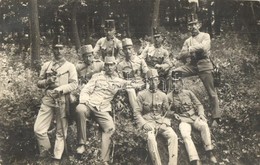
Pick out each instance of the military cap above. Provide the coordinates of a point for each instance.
(127, 42)
(86, 49)
(57, 42)
(176, 76)
(152, 73)
(156, 32)
(193, 21)
(110, 60)
(110, 24)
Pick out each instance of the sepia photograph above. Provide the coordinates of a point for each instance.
(130, 82)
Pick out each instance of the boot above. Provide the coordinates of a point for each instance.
(212, 158)
(195, 162)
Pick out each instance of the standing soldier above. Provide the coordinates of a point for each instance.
(109, 45)
(94, 101)
(132, 68)
(150, 115)
(157, 57)
(196, 51)
(190, 112)
(58, 78)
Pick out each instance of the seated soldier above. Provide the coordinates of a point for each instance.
(150, 116)
(157, 57)
(132, 68)
(94, 101)
(86, 68)
(189, 111)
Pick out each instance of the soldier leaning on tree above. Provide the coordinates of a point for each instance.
(157, 57)
(195, 52)
(109, 45)
(58, 78)
(132, 68)
(150, 115)
(186, 108)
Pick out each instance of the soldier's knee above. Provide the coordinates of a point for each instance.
(37, 131)
(150, 136)
(81, 108)
(109, 130)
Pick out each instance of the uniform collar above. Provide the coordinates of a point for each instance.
(59, 62)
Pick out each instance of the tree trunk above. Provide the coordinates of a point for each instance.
(208, 25)
(155, 19)
(217, 17)
(34, 36)
(75, 32)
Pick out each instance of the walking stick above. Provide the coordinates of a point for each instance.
(59, 105)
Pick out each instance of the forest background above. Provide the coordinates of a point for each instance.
(27, 29)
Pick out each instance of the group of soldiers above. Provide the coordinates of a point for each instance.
(112, 65)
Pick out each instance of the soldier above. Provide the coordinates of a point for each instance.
(157, 57)
(58, 77)
(189, 111)
(150, 115)
(94, 101)
(88, 66)
(109, 45)
(132, 68)
(195, 52)
(85, 69)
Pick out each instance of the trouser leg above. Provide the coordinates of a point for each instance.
(82, 114)
(41, 127)
(108, 128)
(203, 127)
(172, 141)
(152, 147)
(208, 82)
(185, 130)
(60, 134)
(132, 98)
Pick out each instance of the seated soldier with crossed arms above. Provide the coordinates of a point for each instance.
(189, 111)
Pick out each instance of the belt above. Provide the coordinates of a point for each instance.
(188, 113)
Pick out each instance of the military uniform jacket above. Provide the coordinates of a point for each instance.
(155, 56)
(198, 49)
(132, 69)
(100, 90)
(185, 104)
(67, 79)
(152, 106)
(85, 72)
(108, 47)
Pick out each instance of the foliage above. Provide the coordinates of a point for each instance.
(236, 139)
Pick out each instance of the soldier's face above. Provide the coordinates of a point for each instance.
(110, 68)
(128, 51)
(88, 58)
(194, 29)
(57, 52)
(158, 39)
(153, 83)
(110, 33)
(177, 85)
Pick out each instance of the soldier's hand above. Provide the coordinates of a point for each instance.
(177, 116)
(202, 117)
(54, 93)
(148, 127)
(50, 80)
(158, 66)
